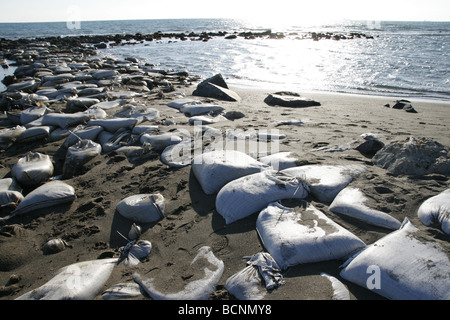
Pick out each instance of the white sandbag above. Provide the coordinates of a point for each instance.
(143, 208)
(59, 134)
(78, 154)
(161, 141)
(406, 264)
(215, 169)
(326, 180)
(281, 160)
(29, 85)
(33, 99)
(48, 195)
(199, 109)
(134, 252)
(350, 202)
(105, 74)
(177, 104)
(82, 132)
(34, 134)
(10, 193)
(79, 281)
(121, 291)
(96, 113)
(9, 135)
(262, 270)
(436, 211)
(250, 194)
(178, 155)
(31, 114)
(80, 103)
(199, 120)
(196, 290)
(140, 112)
(114, 124)
(142, 128)
(303, 235)
(33, 169)
(113, 141)
(340, 291)
(110, 107)
(64, 120)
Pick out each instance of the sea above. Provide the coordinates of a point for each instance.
(404, 59)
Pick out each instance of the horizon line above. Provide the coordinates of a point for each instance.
(200, 18)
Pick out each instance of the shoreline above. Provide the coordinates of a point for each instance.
(91, 224)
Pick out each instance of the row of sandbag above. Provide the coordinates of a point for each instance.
(293, 236)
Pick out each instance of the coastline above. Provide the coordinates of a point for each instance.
(91, 223)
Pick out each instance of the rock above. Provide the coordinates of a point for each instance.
(370, 147)
(402, 105)
(216, 87)
(289, 99)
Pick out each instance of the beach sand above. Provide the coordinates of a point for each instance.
(91, 223)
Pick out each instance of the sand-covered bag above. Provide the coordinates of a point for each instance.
(250, 194)
(406, 264)
(9, 135)
(144, 208)
(49, 194)
(303, 235)
(261, 275)
(326, 181)
(78, 154)
(79, 281)
(10, 193)
(199, 289)
(215, 169)
(33, 169)
(436, 211)
(351, 202)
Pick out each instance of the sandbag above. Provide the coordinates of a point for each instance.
(196, 109)
(161, 141)
(215, 169)
(34, 134)
(196, 290)
(350, 202)
(436, 211)
(64, 120)
(406, 264)
(48, 195)
(78, 281)
(114, 124)
(134, 252)
(327, 181)
(178, 155)
(140, 112)
(83, 103)
(261, 269)
(78, 154)
(250, 194)
(281, 160)
(303, 235)
(82, 132)
(143, 208)
(178, 103)
(33, 169)
(121, 291)
(9, 135)
(10, 193)
(31, 114)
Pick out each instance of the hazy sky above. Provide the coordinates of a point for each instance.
(273, 10)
